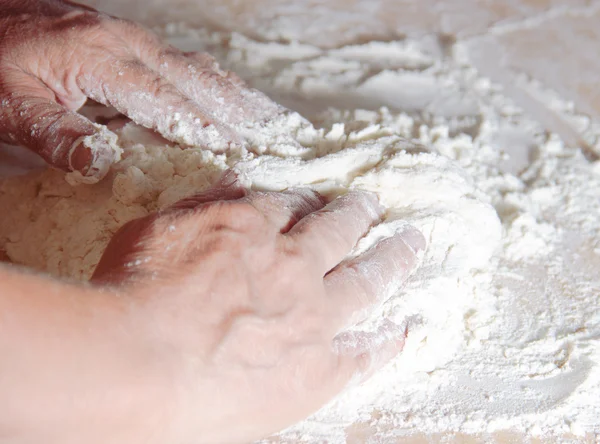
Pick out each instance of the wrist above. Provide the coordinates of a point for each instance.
(74, 368)
(181, 340)
(135, 374)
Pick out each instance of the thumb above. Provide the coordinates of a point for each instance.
(66, 140)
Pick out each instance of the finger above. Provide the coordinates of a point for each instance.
(199, 77)
(120, 249)
(213, 88)
(328, 235)
(65, 139)
(359, 355)
(357, 285)
(228, 187)
(206, 61)
(210, 86)
(284, 210)
(152, 101)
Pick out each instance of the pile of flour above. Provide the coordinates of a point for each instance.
(504, 323)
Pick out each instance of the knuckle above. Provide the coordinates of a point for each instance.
(193, 234)
(226, 241)
(79, 21)
(202, 57)
(298, 259)
(153, 84)
(160, 87)
(237, 216)
(327, 225)
(246, 215)
(311, 199)
(206, 62)
(206, 77)
(267, 201)
(366, 202)
(395, 253)
(298, 262)
(364, 283)
(130, 64)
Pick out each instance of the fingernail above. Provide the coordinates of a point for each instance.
(356, 342)
(92, 156)
(81, 159)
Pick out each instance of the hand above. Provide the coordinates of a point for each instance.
(56, 54)
(248, 293)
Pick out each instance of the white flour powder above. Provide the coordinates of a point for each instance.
(504, 311)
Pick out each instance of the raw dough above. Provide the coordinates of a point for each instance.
(63, 230)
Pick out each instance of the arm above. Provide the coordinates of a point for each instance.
(74, 369)
(227, 309)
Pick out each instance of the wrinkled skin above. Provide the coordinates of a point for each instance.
(250, 293)
(55, 54)
(221, 319)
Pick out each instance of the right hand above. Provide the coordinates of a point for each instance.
(247, 295)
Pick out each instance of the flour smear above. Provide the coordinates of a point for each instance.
(504, 317)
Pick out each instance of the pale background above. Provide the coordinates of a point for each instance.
(554, 42)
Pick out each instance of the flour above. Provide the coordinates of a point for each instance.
(105, 151)
(502, 314)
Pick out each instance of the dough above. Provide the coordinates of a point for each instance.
(62, 229)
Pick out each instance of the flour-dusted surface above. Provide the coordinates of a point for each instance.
(502, 343)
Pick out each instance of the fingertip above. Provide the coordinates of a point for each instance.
(81, 159)
(366, 353)
(91, 156)
(401, 253)
(370, 201)
(369, 363)
(413, 238)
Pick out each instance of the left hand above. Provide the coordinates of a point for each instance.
(55, 54)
